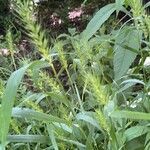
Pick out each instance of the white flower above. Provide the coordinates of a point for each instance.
(4, 52)
(133, 105)
(139, 100)
(36, 1)
(147, 62)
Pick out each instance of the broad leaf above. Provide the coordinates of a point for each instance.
(124, 57)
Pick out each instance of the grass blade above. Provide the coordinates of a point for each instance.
(8, 102)
(28, 138)
(39, 139)
(131, 115)
(9, 98)
(52, 136)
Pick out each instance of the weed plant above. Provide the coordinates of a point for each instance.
(105, 105)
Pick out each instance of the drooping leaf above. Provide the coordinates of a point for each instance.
(100, 17)
(119, 4)
(128, 83)
(31, 114)
(124, 57)
(63, 127)
(147, 5)
(133, 81)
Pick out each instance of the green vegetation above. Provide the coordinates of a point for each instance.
(86, 90)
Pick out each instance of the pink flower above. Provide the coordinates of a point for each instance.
(75, 13)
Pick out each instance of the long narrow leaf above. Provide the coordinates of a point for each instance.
(101, 16)
(8, 101)
(131, 115)
(52, 136)
(9, 98)
(28, 138)
(39, 139)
